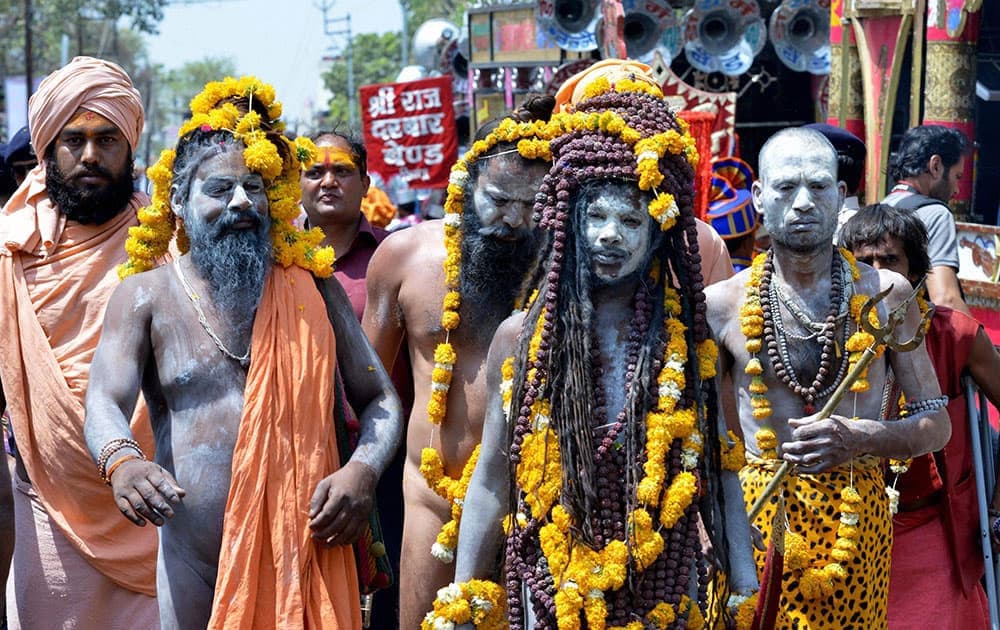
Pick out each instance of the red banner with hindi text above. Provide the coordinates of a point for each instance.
(410, 131)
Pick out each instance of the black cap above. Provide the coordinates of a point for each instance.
(19, 148)
(842, 140)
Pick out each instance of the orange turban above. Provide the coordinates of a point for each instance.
(86, 83)
(572, 90)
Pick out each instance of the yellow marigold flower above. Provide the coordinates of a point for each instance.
(445, 353)
(860, 386)
(757, 385)
(754, 345)
(796, 551)
(450, 320)
(754, 367)
(762, 413)
(262, 157)
(766, 438)
(661, 616)
(733, 458)
(850, 494)
(859, 341)
(835, 571)
(678, 498)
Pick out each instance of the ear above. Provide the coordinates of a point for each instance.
(366, 181)
(756, 190)
(935, 166)
(175, 206)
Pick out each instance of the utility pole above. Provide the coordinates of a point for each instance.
(329, 30)
(404, 37)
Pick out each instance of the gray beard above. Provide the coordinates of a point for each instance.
(235, 264)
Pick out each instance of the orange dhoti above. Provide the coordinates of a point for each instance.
(272, 573)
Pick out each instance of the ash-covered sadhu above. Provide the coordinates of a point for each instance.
(240, 346)
(602, 448)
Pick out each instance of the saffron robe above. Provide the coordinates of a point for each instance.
(56, 277)
(272, 573)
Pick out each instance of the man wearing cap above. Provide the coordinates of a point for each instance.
(19, 156)
(62, 235)
(851, 154)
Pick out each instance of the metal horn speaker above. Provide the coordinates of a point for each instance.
(723, 36)
(569, 24)
(431, 39)
(651, 26)
(800, 34)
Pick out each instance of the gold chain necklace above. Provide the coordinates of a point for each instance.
(243, 360)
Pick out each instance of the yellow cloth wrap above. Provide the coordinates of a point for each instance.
(812, 504)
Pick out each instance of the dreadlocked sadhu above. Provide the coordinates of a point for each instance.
(239, 347)
(602, 449)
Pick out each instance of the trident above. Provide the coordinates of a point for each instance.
(884, 336)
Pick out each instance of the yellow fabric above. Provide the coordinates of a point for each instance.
(812, 506)
(272, 573)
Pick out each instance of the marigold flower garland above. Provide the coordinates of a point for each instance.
(148, 242)
(582, 574)
(816, 582)
(532, 143)
(479, 602)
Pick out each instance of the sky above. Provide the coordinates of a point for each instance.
(280, 41)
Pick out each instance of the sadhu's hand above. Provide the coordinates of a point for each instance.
(342, 503)
(144, 491)
(819, 444)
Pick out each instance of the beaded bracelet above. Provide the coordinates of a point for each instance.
(118, 462)
(995, 529)
(113, 447)
(920, 406)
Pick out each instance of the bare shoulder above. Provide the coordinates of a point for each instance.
(409, 245)
(724, 298)
(507, 332)
(878, 280)
(141, 294)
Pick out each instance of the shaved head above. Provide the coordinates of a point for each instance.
(801, 140)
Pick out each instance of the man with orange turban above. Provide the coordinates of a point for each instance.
(62, 235)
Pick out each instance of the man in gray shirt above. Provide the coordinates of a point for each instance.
(927, 168)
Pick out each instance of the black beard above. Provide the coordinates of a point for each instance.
(90, 206)
(234, 263)
(493, 269)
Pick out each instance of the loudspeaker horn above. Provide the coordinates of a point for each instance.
(800, 34)
(431, 39)
(569, 24)
(651, 26)
(723, 36)
(454, 58)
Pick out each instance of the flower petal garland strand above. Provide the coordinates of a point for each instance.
(817, 580)
(479, 602)
(582, 575)
(532, 141)
(148, 242)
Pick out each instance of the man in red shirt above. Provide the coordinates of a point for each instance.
(936, 558)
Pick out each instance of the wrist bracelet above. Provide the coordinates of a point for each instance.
(118, 462)
(995, 530)
(113, 447)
